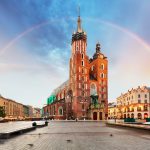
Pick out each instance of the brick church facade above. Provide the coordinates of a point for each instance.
(85, 94)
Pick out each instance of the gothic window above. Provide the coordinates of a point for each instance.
(93, 89)
(77, 48)
(82, 86)
(102, 75)
(82, 56)
(102, 67)
(82, 63)
(82, 93)
(92, 68)
(54, 110)
(82, 106)
(60, 111)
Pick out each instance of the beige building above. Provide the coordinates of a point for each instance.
(36, 113)
(135, 103)
(13, 109)
(112, 110)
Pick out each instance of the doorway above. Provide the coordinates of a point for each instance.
(94, 115)
(100, 116)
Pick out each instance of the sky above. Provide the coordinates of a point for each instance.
(35, 44)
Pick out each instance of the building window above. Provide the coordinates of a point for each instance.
(132, 115)
(60, 111)
(139, 116)
(82, 63)
(102, 66)
(82, 86)
(82, 106)
(145, 108)
(132, 109)
(145, 101)
(138, 108)
(145, 95)
(145, 115)
(82, 56)
(139, 95)
(83, 93)
(93, 89)
(102, 75)
(92, 68)
(139, 101)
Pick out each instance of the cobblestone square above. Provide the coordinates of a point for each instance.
(61, 135)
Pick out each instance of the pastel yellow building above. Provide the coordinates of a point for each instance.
(13, 109)
(112, 110)
(135, 103)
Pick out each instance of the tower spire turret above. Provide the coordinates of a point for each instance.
(79, 29)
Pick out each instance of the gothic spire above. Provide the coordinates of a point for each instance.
(79, 29)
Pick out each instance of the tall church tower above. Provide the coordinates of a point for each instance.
(79, 71)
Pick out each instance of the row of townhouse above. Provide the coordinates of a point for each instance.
(18, 111)
(135, 103)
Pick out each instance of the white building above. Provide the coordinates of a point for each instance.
(134, 104)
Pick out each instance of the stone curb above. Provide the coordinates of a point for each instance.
(142, 127)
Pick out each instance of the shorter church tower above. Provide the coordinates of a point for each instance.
(98, 72)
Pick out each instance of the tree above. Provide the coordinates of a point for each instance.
(2, 112)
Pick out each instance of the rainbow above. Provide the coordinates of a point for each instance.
(129, 33)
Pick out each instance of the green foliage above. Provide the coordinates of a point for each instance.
(2, 112)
